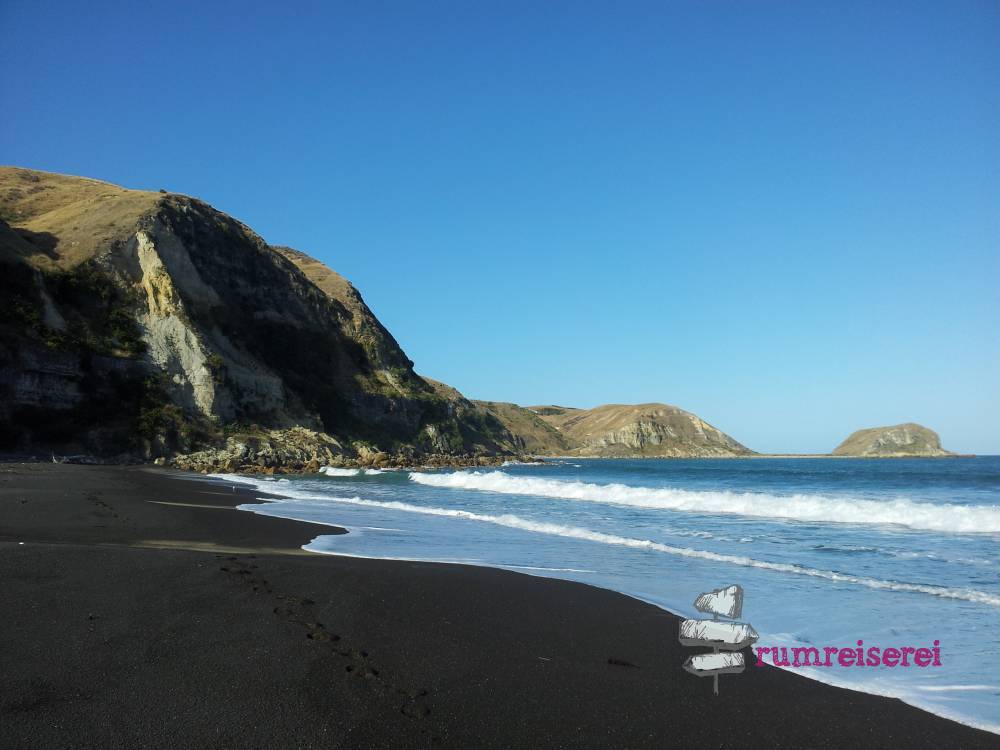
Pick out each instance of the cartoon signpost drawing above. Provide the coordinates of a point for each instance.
(719, 635)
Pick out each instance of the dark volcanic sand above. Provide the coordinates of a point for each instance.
(131, 624)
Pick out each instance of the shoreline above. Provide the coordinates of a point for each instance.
(457, 463)
(754, 455)
(147, 614)
(829, 678)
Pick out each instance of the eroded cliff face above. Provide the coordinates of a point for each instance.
(638, 430)
(209, 330)
(680, 436)
(897, 441)
(174, 344)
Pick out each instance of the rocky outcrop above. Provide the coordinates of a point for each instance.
(897, 441)
(299, 450)
(616, 430)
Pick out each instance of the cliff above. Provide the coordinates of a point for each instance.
(150, 324)
(616, 430)
(897, 441)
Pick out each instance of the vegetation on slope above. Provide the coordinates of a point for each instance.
(196, 326)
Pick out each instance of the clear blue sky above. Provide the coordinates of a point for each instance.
(784, 217)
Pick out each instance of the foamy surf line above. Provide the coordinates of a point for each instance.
(915, 696)
(574, 532)
(963, 519)
(336, 471)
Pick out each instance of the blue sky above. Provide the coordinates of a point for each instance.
(784, 217)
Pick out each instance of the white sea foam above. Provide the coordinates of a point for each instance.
(574, 532)
(541, 567)
(336, 471)
(815, 508)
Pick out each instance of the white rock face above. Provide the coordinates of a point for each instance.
(175, 345)
(161, 266)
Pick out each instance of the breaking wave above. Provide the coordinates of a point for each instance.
(574, 532)
(336, 471)
(967, 519)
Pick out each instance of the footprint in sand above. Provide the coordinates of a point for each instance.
(293, 610)
(415, 710)
(300, 600)
(322, 635)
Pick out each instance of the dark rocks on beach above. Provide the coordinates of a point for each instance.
(302, 451)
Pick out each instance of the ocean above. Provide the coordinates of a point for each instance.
(894, 553)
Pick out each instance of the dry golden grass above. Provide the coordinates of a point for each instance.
(609, 417)
(324, 277)
(66, 220)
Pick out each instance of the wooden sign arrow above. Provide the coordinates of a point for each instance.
(728, 636)
(726, 602)
(717, 634)
(708, 665)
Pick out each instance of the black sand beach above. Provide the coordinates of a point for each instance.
(141, 610)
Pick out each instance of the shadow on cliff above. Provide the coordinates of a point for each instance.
(40, 242)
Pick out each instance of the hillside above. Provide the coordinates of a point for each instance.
(150, 324)
(635, 430)
(896, 441)
(532, 433)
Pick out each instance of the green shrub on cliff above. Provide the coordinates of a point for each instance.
(98, 310)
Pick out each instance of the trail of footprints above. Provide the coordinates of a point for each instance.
(297, 610)
(104, 510)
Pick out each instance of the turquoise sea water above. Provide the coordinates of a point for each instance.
(896, 553)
